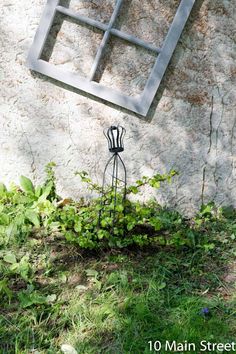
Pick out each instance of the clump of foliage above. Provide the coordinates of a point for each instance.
(90, 224)
(100, 223)
(25, 208)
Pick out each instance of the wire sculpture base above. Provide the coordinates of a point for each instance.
(115, 195)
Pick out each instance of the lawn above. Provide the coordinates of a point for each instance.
(69, 286)
(118, 301)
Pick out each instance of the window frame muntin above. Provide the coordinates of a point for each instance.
(139, 104)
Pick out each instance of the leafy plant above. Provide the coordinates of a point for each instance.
(26, 207)
(98, 223)
(92, 225)
(4, 289)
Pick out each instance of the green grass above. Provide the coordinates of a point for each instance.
(112, 299)
(118, 301)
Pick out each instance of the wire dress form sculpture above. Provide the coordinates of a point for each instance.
(115, 173)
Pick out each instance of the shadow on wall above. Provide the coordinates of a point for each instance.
(186, 127)
(190, 84)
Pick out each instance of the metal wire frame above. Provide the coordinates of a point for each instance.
(115, 136)
(115, 146)
(139, 104)
(114, 159)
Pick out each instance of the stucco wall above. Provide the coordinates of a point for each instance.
(191, 125)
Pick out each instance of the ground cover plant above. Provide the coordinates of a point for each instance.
(65, 279)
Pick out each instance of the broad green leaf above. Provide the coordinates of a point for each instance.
(4, 289)
(10, 258)
(46, 190)
(38, 191)
(101, 234)
(24, 268)
(156, 184)
(25, 299)
(14, 267)
(33, 217)
(26, 185)
(29, 299)
(38, 299)
(206, 209)
(133, 189)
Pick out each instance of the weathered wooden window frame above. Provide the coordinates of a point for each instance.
(140, 103)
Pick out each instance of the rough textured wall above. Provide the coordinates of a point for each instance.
(191, 125)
